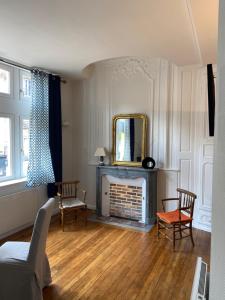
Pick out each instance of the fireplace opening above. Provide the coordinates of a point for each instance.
(125, 201)
(124, 198)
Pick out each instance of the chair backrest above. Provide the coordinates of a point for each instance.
(68, 189)
(40, 232)
(186, 201)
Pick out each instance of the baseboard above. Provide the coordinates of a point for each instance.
(15, 230)
(202, 227)
(23, 227)
(91, 206)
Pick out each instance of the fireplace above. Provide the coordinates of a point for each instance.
(126, 192)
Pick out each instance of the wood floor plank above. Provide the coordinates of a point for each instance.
(101, 262)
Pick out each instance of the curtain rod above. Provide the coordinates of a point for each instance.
(23, 67)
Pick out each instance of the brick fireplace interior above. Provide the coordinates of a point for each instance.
(125, 201)
(124, 198)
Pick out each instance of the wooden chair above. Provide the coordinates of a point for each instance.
(178, 220)
(68, 200)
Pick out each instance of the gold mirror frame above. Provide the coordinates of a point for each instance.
(143, 148)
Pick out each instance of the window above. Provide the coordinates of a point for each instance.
(4, 81)
(14, 122)
(5, 147)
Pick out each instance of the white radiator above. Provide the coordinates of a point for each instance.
(200, 287)
(18, 210)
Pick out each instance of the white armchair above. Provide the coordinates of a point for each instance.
(24, 266)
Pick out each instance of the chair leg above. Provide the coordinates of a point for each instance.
(158, 228)
(86, 215)
(174, 238)
(191, 235)
(76, 216)
(180, 231)
(62, 220)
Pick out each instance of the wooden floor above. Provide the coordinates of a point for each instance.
(104, 262)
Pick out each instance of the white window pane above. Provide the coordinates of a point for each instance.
(5, 147)
(4, 81)
(26, 82)
(25, 145)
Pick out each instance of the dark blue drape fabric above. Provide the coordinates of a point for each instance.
(132, 139)
(55, 131)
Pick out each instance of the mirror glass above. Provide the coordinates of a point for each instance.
(129, 139)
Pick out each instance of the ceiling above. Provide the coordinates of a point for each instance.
(66, 36)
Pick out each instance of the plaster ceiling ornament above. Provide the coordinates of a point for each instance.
(130, 66)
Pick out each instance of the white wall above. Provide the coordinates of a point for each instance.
(175, 100)
(18, 204)
(217, 265)
(67, 128)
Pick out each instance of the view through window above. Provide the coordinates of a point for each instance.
(4, 81)
(5, 146)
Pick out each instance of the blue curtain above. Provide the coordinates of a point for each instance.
(55, 131)
(40, 170)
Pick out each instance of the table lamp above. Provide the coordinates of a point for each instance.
(101, 153)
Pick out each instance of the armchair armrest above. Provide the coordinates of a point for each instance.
(168, 199)
(81, 194)
(60, 199)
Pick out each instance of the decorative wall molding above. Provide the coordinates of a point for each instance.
(129, 66)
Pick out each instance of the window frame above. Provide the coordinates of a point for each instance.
(17, 108)
(22, 118)
(11, 82)
(21, 74)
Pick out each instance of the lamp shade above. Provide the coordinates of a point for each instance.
(100, 152)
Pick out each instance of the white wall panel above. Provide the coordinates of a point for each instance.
(167, 184)
(185, 118)
(208, 150)
(18, 210)
(185, 174)
(207, 185)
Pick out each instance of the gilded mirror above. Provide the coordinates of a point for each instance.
(129, 139)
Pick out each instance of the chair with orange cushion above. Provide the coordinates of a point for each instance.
(178, 220)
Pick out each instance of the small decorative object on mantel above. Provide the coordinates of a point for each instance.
(101, 153)
(148, 163)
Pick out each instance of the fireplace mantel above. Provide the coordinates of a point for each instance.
(150, 175)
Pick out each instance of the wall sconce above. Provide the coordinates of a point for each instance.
(101, 153)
